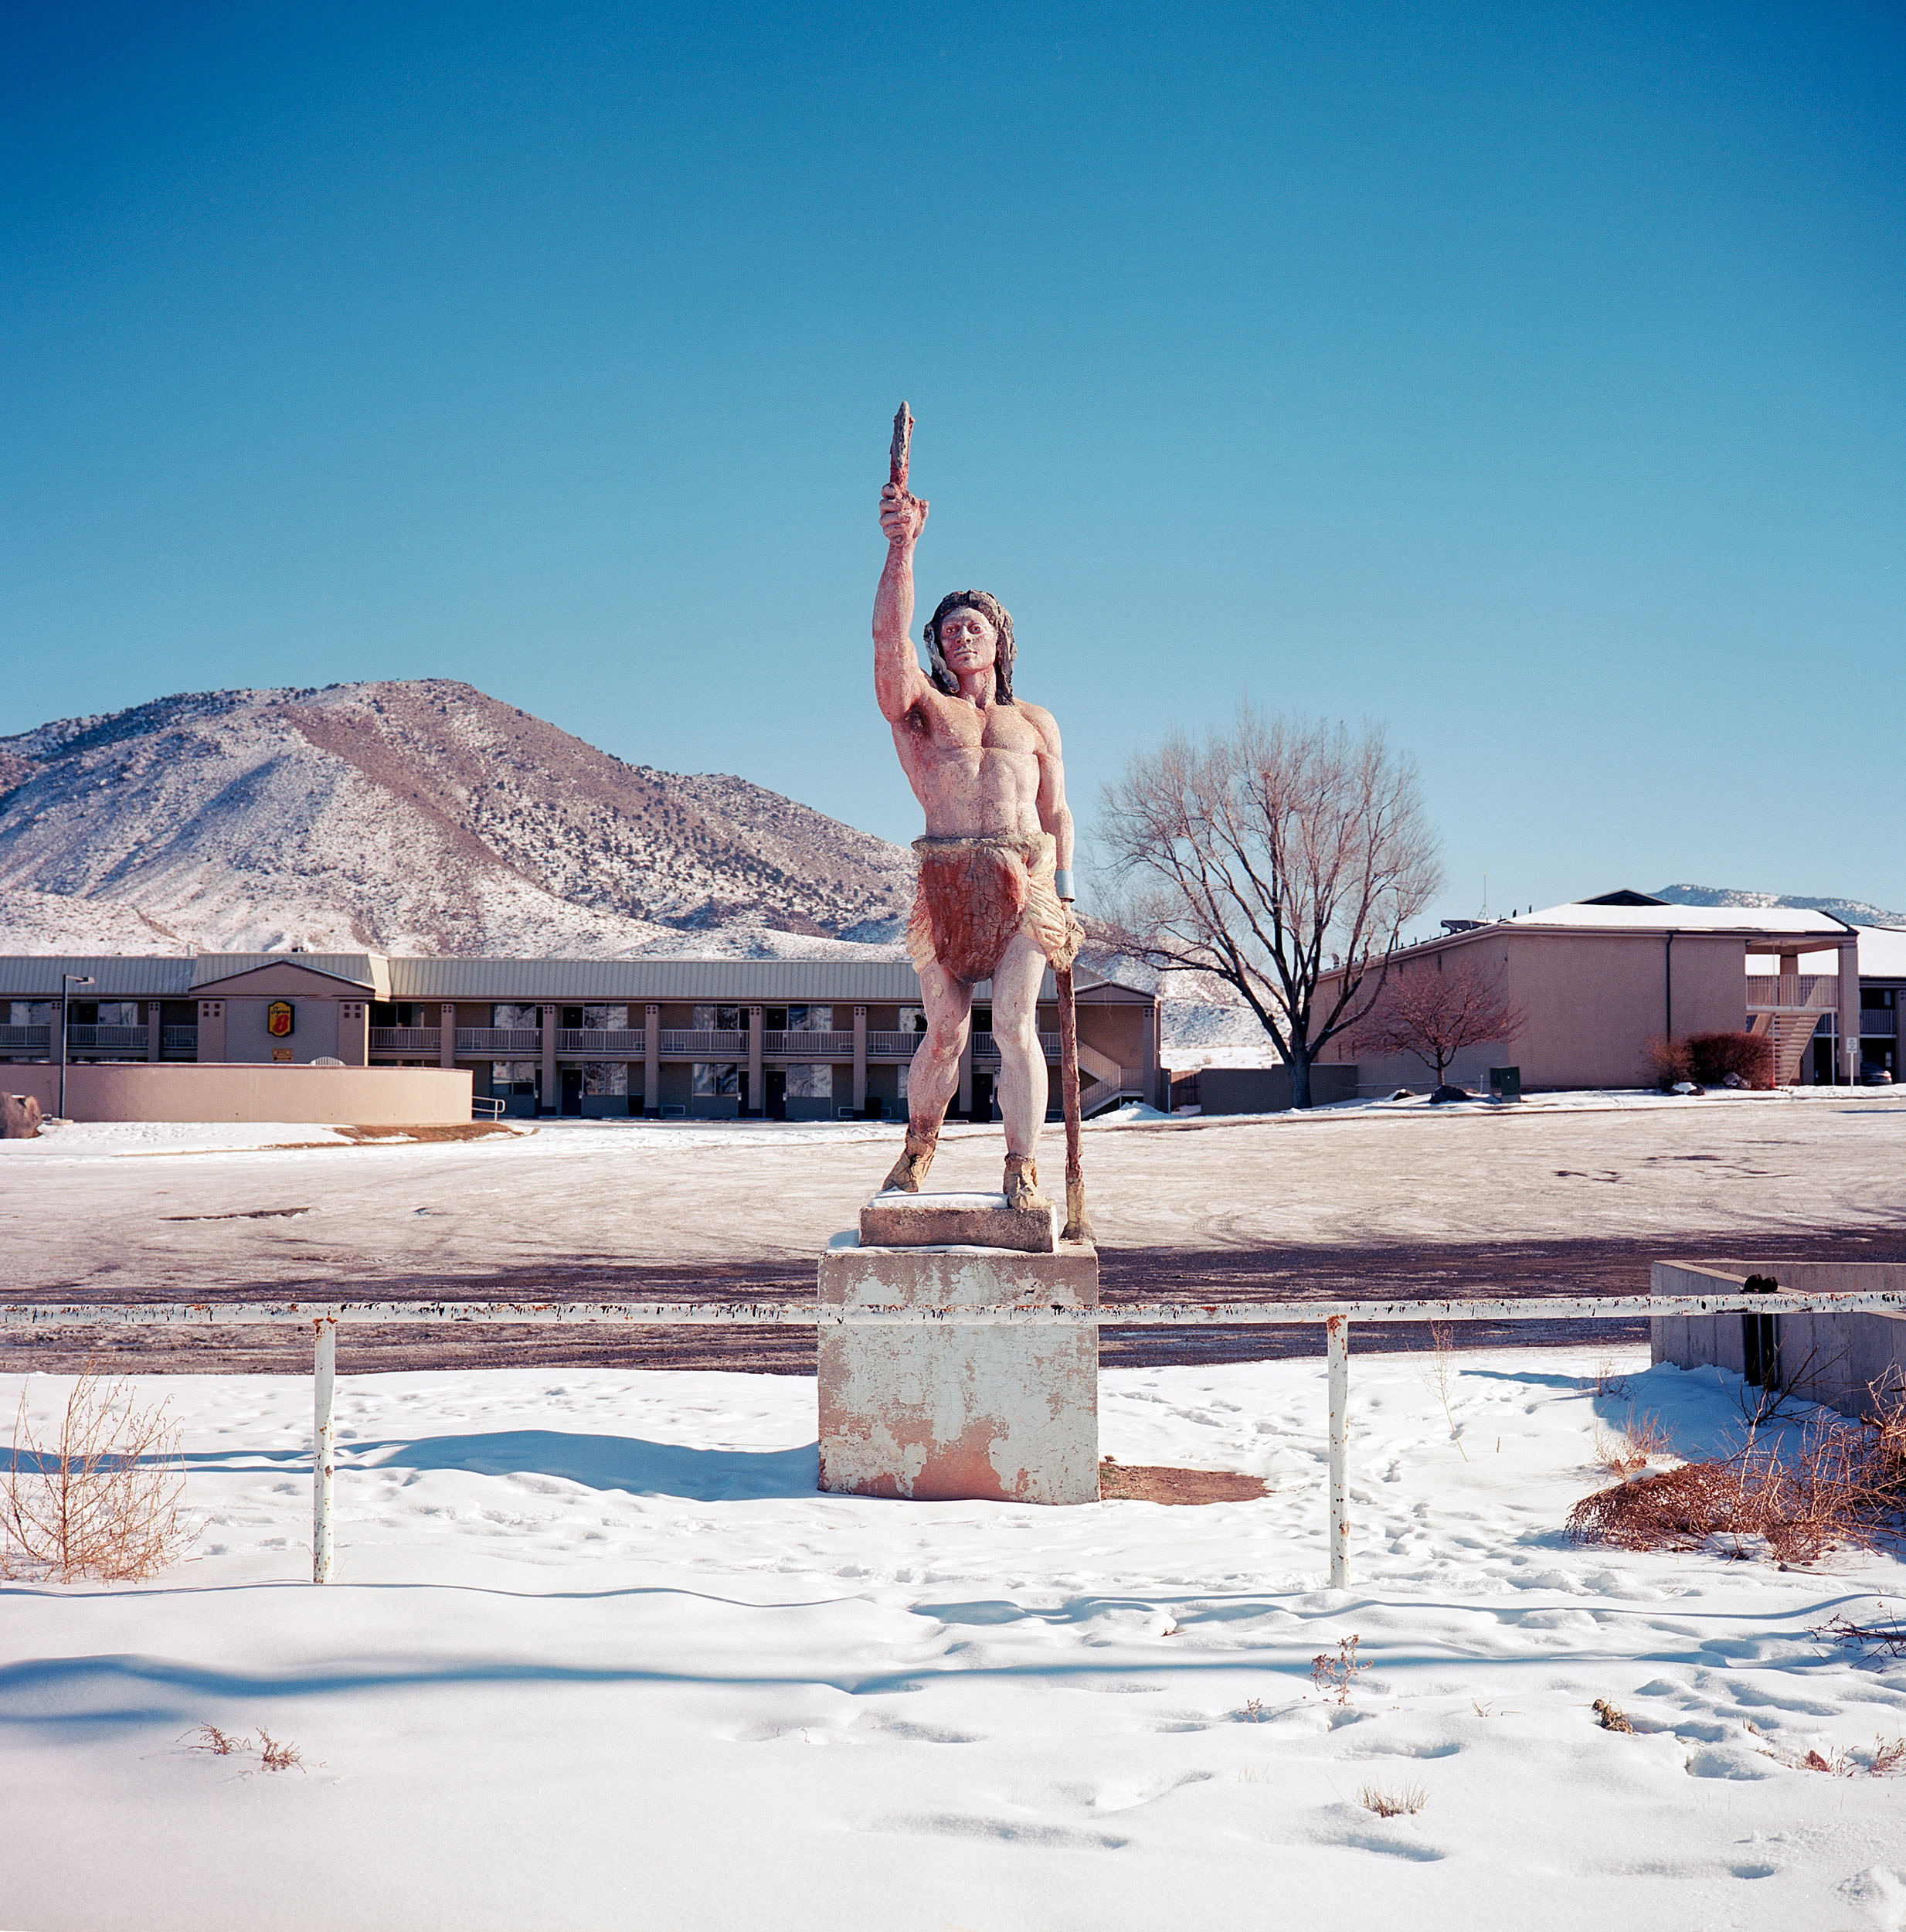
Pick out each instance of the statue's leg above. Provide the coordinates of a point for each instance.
(933, 1078)
(1022, 1079)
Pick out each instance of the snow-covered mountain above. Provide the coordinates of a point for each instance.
(1856, 912)
(410, 817)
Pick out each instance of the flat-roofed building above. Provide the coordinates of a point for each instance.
(1597, 980)
(790, 1040)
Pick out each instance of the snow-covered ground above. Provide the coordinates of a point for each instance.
(600, 1656)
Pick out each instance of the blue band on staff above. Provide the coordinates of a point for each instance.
(1062, 882)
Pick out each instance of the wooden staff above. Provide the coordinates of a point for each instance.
(1078, 1222)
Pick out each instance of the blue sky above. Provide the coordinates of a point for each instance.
(1531, 378)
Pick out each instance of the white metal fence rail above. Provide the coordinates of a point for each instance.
(324, 1319)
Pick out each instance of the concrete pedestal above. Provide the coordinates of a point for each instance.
(1004, 1414)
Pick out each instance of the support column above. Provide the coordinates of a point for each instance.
(324, 1446)
(860, 1060)
(211, 1029)
(354, 1032)
(446, 1036)
(652, 1061)
(757, 1097)
(154, 1013)
(1849, 1008)
(552, 1101)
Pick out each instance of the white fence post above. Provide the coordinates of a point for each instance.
(1337, 1330)
(324, 1446)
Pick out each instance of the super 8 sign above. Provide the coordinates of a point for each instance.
(279, 1019)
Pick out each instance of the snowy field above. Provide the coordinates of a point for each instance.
(600, 1656)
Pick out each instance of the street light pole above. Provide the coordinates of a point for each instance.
(67, 982)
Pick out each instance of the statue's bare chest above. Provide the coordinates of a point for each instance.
(949, 725)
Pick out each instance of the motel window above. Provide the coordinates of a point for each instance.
(721, 1019)
(397, 1012)
(605, 1077)
(809, 1019)
(912, 1019)
(106, 1013)
(514, 1076)
(810, 1083)
(715, 1077)
(1876, 999)
(29, 1012)
(526, 1017)
(596, 1019)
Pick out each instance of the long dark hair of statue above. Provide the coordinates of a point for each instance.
(996, 614)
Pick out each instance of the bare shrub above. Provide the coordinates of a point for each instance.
(1749, 1057)
(1845, 1483)
(275, 1756)
(1668, 1060)
(104, 1500)
(1404, 1802)
(1337, 1675)
(1611, 1717)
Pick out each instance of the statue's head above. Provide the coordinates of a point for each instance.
(968, 631)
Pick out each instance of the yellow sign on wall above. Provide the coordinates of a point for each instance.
(278, 1019)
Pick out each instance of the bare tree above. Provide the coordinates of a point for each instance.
(1270, 854)
(1434, 1011)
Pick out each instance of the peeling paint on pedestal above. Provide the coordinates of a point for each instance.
(1009, 1414)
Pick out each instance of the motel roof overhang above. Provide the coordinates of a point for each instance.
(375, 976)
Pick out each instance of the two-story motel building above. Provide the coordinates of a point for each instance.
(788, 1039)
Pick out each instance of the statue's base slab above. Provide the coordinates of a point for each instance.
(975, 1411)
(900, 1220)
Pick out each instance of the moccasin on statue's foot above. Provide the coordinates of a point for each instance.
(910, 1170)
(1021, 1184)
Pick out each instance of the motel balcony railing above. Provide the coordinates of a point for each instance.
(26, 1039)
(178, 1040)
(579, 1039)
(892, 1046)
(514, 1040)
(986, 1048)
(100, 1038)
(797, 1044)
(711, 1045)
(406, 1040)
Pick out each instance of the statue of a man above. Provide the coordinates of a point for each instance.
(995, 887)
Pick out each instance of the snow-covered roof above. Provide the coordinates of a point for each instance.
(1769, 921)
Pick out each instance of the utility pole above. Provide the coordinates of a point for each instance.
(67, 982)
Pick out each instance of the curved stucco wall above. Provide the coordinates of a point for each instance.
(325, 1096)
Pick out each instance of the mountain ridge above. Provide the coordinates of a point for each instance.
(415, 815)
(1856, 912)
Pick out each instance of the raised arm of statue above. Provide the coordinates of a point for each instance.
(899, 680)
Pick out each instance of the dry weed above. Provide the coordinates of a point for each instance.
(1608, 1384)
(273, 1754)
(1435, 1376)
(104, 1500)
(1611, 1718)
(1403, 1803)
(1844, 1483)
(1889, 1638)
(1336, 1675)
(1627, 1451)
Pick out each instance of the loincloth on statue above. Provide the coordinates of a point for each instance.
(974, 895)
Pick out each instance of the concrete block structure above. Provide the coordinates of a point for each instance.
(1850, 1362)
(997, 1413)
